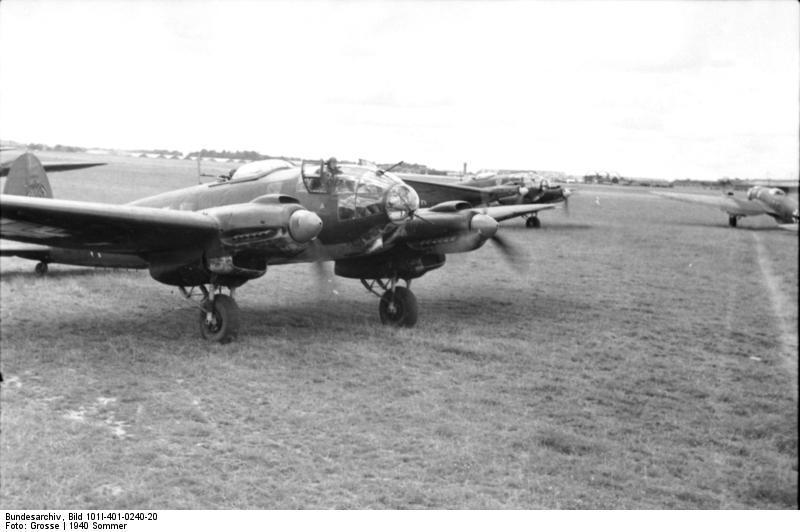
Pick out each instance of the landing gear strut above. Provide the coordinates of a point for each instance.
(398, 305)
(41, 269)
(732, 220)
(533, 222)
(219, 313)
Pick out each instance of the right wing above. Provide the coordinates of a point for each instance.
(104, 227)
(729, 204)
(506, 212)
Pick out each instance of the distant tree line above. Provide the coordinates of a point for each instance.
(165, 153)
(247, 155)
(33, 146)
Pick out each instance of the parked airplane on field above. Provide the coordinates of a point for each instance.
(220, 235)
(760, 200)
(510, 189)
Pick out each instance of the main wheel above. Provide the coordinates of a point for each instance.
(533, 222)
(224, 323)
(41, 268)
(732, 221)
(398, 307)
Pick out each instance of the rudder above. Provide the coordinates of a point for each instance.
(27, 177)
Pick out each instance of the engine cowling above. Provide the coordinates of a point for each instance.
(248, 234)
(449, 231)
(272, 222)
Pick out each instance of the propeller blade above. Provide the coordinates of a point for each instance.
(325, 279)
(512, 254)
(320, 272)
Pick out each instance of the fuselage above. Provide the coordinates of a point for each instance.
(776, 203)
(352, 203)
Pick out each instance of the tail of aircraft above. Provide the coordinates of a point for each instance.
(27, 177)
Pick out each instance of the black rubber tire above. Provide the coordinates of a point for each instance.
(533, 223)
(225, 326)
(41, 269)
(732, 221)
(398, 307)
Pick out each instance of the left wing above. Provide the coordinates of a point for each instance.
(506, 212)
(433, 192)
(103, 227)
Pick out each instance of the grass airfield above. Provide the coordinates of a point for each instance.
(645, 358)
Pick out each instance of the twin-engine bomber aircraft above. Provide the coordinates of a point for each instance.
(220, 235)
(760, 200)
(510, 189)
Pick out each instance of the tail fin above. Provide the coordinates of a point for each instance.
(27, 177)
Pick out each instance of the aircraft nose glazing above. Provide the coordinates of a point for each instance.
(304, 226)
(484, 224)
(401, 202)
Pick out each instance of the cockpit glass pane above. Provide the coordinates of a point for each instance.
(261, 168)
(361, 191)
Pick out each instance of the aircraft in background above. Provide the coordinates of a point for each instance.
(494, 189)
(5, 165)
(219, 235)
(760, 201)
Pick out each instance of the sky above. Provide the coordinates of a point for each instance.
(669, 90)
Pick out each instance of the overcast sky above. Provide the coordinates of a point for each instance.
(657, 89)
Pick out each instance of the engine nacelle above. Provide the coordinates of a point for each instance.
(248, 234)
(386, 267)
(268, 223)
(454, 230)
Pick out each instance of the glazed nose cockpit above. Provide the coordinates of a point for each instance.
(401, 202)
(363, 191)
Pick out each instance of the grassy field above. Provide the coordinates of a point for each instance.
(646, 358)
